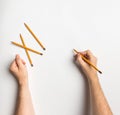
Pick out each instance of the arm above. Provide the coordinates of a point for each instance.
(99, 103)
(24, 102)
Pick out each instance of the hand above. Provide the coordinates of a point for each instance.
(88, 70)
(19, 70)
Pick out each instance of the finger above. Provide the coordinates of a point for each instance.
(80, 60)
(13, 66)
(18, 61)
(87, 54)
(23, 61)
(90, 55)
(75, 56)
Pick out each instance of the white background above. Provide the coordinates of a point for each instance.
(57, 87)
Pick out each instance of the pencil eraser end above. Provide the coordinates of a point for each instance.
(75, 51)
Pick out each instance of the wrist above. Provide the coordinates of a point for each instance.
(23, 86)
(93, 78)
(23, 83)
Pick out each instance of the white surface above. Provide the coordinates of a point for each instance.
(57, 87)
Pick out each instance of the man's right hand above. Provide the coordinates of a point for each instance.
(88, 70)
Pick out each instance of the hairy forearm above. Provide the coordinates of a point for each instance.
(24, 101)
(100, 105)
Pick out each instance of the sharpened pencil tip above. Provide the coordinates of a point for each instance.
(44, 49)
(100, 72)
(25, 25)
(32, 65)
(41, 53)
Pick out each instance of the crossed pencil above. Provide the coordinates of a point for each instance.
(27, 48)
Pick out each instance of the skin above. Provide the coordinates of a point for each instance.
(99, 103)
(24, 102)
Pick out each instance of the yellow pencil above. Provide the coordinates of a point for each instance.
(19, 45)
(28, 28)
(87, 61)
(26, 50)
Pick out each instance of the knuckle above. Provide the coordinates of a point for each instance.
(10, 69)
(88, 51)
(95, 58)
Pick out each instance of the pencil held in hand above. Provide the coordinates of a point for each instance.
(87, 61)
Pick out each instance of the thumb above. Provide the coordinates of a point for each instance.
(18, 61)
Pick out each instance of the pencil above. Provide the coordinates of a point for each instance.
(87, 61)
(26, 50)
(28, 28)
(19, 45)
